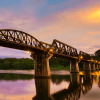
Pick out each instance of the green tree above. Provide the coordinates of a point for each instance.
(6, 64)
(97, 53)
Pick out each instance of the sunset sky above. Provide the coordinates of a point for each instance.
(74, 22)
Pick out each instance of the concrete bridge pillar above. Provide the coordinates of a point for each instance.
(87, 66)
(42, 89)
(41, 65)
(99, 66)
(74, 65)
(96, 66)
(92, 66)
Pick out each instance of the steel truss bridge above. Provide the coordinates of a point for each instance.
(23, 41)
(41, 52)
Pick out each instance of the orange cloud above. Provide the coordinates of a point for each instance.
(74, 27)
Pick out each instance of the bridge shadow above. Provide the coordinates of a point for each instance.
(78, 84)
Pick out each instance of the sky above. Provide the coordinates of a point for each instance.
(74, 22)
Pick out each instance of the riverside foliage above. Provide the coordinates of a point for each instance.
(14, 63)
(27, 63)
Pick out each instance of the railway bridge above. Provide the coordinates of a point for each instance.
(41, 52)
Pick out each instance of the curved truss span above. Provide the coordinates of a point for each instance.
(62, 49)
(86, 56)
(18, 40)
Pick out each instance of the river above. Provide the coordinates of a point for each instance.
(63, 85)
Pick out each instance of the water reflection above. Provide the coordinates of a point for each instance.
(87, 82)
(24, 86)
(72, 92)
(16, 86)
(57, 79)
(42, 89)
(79, 84)
(15, 77)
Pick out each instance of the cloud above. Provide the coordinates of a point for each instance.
(74, 27)
(77, 26)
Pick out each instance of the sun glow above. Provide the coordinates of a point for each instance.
(28, 52)
(67, 86)
(95, 15)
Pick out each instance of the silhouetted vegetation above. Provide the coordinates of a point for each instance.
(80, 64)
(97, 55)
(59, 63)
(27, 63)
(14, 63)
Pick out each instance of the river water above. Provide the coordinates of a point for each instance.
(21, 85)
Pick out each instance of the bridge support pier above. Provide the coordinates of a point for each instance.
(87, 66)
(41, 65)
(97, 67)
(74, 66)
(92, 66)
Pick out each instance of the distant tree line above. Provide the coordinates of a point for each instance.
(27, 63)
(59, 63)
(97, 55)
(14, 63)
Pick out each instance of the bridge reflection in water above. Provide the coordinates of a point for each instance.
(79, 84)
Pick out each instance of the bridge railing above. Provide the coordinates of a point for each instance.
(23, 41)
(62, 48)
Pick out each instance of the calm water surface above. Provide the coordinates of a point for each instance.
(21, 85)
